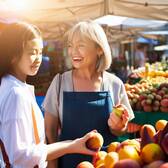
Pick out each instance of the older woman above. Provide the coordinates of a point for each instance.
(82, 99)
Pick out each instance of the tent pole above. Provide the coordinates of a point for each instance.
(132, 53)
(106, 7)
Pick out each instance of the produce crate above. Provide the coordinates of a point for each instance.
(142, 117)
(127, 136)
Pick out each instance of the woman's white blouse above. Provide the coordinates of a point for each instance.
(16, 126)
(111, 83)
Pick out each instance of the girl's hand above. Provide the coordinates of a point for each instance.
(79, 145)
(117, 123)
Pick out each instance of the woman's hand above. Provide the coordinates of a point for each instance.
(118, 123)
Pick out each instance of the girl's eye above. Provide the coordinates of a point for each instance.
(32, 52)
(69, 45)
(81, 45)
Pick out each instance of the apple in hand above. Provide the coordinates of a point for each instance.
(119, 110)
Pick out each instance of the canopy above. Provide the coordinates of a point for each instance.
(66, 10)
(52, 13)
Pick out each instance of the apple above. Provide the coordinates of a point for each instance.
(118, 110)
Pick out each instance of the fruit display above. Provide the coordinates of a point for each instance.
(150, 150)
(158, 69)
(149, 95)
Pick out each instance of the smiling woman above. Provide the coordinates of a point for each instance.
(82, 98)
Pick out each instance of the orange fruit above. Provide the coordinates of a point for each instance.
(99, 158)
(110, 159)
(99, 163)
(85, 164)
(160, 124)
(152, 152)
(113, 146)
(150, 128)
(129, 152)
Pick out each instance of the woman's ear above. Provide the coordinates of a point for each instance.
(99, 51)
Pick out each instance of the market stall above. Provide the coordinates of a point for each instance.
(148, 97)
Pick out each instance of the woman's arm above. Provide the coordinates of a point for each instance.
(51, 131)
(51, 127)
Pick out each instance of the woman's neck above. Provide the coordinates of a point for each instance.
(87, 81)
(86, 74)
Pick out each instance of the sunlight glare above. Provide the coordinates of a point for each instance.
(16, 4)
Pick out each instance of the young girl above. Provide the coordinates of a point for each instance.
(21, 122)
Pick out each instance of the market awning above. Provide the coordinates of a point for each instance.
(55, 13)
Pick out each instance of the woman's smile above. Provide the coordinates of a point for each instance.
(77, 59)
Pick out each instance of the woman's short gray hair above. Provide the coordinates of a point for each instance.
(94, 32)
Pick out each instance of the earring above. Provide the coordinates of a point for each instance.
(98, 61)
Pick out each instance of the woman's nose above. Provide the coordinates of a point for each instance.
(74, 49)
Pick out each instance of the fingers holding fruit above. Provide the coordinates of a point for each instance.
(95, 142)
(80, 144)
(119, 117)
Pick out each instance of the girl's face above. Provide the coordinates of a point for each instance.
(83, 52)
(30, 61)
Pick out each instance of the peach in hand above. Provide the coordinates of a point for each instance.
(95, 142)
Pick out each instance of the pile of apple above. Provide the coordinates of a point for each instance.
(148, 95)
(149, 151)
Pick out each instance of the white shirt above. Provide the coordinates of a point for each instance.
(16, 126)
(111, 83)
(139, 59)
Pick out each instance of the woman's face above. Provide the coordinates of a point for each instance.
(30, 61)
(83, 52)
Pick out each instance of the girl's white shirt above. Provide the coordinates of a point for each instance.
(16, 126)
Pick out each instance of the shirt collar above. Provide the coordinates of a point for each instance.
(16, 81)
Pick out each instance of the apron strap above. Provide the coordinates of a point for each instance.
(58, 98)
(4, 154)
(36, 135)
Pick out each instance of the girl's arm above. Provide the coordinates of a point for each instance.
(58, 149)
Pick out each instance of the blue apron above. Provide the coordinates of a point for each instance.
(83, 112)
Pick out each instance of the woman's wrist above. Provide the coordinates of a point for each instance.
(119, 132)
